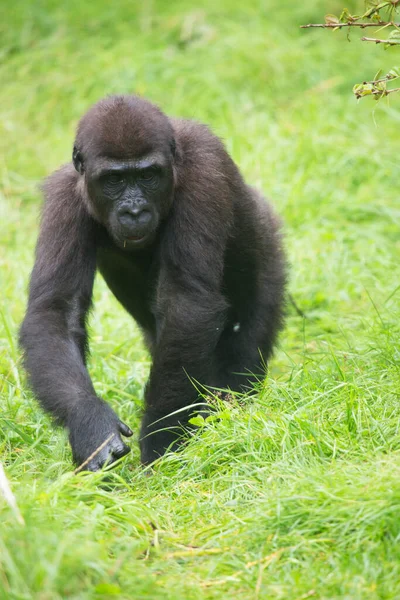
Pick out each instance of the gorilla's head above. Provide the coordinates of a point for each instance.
(124, 151)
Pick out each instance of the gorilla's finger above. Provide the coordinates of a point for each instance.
(124, 429)
(120, 450)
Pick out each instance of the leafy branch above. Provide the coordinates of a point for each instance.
(377, 87)
(388, 42)
(371, 17)
(335, 24)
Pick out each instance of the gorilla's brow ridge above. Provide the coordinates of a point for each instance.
(137, 164)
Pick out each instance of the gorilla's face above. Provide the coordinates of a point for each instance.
(125, 152)
(131, 196)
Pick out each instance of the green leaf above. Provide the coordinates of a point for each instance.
(346, 16)
(197, 421)
(375, 8)
(394, 73)
(363, 89)
(394, 36)
(331, 20)
(225, 415)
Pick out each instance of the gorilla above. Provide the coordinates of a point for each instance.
(193, 254)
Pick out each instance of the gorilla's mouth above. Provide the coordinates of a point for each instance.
(135, 238)
(138, 240)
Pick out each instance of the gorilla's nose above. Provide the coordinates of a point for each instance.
(137, 215)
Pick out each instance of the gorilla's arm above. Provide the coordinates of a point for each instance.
(53, 334)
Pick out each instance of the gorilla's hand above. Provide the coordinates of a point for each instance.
(89, 428)
(160, 433)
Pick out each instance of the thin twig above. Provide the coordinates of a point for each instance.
(351, 24)
(385, 92)
(9, 497)
(381, 80)
(380, 41)
(95, 453)
(378, 92)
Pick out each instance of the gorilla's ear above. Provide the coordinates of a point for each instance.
(77, 159)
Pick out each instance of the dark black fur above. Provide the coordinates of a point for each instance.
(190, 251)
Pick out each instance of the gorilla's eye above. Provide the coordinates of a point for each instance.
(115, 179)
(148, 175)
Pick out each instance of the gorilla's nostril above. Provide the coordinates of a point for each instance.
(127, 218)
(144, 217)
(134, 216)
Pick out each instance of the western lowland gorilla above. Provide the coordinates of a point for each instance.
(190, 251)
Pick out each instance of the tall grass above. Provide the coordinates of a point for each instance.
(295, 492)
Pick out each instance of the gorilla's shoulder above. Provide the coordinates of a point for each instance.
(195, 136)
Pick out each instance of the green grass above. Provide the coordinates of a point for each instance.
(297, 494)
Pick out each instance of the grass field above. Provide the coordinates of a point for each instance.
(297, 494)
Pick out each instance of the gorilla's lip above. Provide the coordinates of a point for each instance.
(135, 238)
